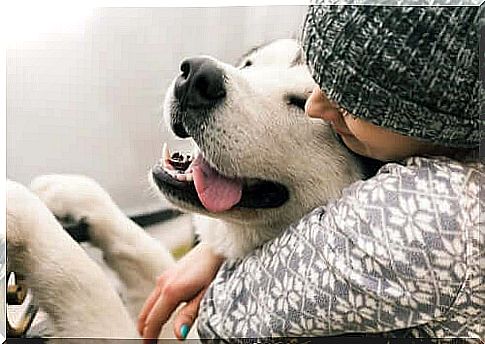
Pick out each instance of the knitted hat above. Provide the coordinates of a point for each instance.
(413, 70)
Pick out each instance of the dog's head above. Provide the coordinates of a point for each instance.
(260, 159)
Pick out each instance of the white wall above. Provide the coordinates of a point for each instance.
(86, 99)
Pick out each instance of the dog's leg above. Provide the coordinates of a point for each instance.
(136, 257)
(65, 282)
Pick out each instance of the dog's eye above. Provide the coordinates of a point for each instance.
(248, 63)
(296, 101)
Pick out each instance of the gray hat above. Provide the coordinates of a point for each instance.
(413, 70)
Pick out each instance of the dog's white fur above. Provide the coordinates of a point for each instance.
(127, 249)
(255, 133)
(264, 138)
(66, 283)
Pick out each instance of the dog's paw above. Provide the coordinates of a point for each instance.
(21, 205)
(28, 220)
(73, 196)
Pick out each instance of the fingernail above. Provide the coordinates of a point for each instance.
(184, 330)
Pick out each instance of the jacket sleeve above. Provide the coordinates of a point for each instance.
(389, 255)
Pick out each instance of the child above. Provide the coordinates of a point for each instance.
(398, 255)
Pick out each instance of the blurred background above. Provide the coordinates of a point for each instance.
(85, 86)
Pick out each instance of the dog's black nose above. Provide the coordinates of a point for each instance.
(201, 83)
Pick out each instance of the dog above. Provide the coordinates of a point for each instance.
(259, 165)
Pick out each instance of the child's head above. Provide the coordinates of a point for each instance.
(368, 139)
(408, 76)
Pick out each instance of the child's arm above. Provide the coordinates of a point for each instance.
(391, 254)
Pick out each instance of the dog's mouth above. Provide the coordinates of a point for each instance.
(192, 179)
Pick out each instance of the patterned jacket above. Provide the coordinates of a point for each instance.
(398, 255)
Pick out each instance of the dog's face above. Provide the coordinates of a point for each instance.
(260, 160)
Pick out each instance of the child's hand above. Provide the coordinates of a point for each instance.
(187, 282)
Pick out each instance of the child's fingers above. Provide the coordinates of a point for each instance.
(147, 307)
(186, 316)
(160, 313)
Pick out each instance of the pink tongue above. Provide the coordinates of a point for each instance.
(217, 193)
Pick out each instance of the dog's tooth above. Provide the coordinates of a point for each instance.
(165, 152)
(181, 177)
(189, 177)
(166, 164)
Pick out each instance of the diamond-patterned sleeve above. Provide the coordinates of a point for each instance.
(396, 254)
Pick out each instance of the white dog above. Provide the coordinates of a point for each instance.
(260, 162)
(260, 165)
